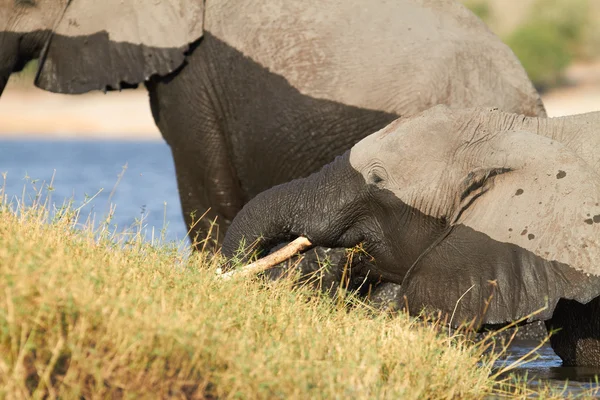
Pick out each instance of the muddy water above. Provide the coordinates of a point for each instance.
(546, 367)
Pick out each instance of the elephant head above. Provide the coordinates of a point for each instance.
(87, 44)
(471, 213)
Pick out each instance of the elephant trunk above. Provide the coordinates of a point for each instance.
(319, 207)
(268, 219)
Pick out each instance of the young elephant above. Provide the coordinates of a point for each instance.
(458, 206)
(252, 93)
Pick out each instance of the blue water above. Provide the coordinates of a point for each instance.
(82, 168)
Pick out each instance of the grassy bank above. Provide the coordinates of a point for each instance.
(94, 314)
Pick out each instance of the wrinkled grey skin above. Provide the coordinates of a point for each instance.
(484, 215)
(250, 94)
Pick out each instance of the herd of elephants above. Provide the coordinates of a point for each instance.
(405, 126)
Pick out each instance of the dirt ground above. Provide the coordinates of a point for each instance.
(126, 115)
(580, 95)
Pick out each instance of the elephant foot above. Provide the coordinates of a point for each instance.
(535, 330)
(577, 341)
(386, 297)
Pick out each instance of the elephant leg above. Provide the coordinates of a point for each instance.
(576, 339)
(189, 121)
(195, 198)
(386, 297)
(207, 186)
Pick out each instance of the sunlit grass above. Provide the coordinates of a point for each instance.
(87, 311)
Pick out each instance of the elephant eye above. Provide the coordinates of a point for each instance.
(376, 173)
(376, 178)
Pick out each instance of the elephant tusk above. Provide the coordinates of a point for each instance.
(286, 252)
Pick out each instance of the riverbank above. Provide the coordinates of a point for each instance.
(28, 111)
(83, 317)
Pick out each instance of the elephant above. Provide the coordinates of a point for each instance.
(249, 94)
(478, 214)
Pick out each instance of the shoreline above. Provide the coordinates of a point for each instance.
(29, 112)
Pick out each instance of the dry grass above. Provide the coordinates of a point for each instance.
(89, 313)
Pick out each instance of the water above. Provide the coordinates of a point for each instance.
(546, 367)
(83, 167)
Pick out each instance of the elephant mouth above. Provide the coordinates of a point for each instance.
(347, 239)
(276, 245)
(351, 260)
(324, 268)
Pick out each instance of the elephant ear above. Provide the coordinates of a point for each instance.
(524, 236)
(111, 44)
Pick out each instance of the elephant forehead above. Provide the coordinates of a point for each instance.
(359, 53)
(429, 135)
(419, 156)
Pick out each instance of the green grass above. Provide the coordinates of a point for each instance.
(551, 36)
(89, 313)
(543, 52)
(480, 8)
(550, 39)
(25, 78)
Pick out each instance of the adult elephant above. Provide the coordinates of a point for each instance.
(250, 94)
(458, 206)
